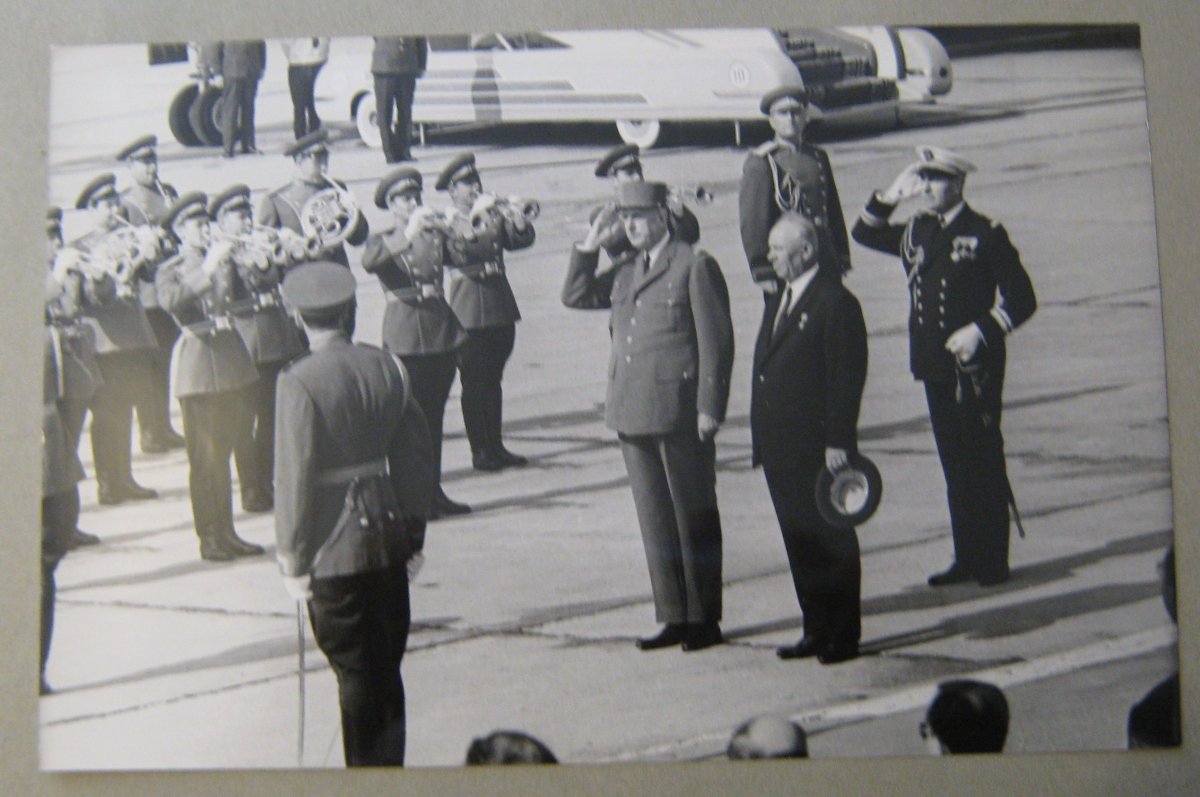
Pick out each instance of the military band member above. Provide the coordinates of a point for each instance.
(284, 206)
(668, 387)
(124, 344)
(271, 337)
(69, 292)
(213, 371)
(352, 494)
(145, 203)
(967, 292)
(622, 165)
(418, 324)
(485, 306)
(788, 173)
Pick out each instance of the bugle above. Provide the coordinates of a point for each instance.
(515, 209)
(690, 194)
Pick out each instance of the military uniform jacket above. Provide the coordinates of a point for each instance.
(61, 469)
(685, 227)
(344, 405)
(399, 55)
(142, 206)
(672, 337)
(808, 376)
(212, 360)
(413, 323)
(75, 367)
(967, 273)
(268, 330)
(478, 299)
(282, 208)
(119, 322)
(812, 193)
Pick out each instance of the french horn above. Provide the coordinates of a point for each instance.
(330, 215)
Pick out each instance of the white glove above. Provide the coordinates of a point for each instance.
(484, 203)
(299, 587)
(217, 254)
(415, 563)
(907, 184)
(419, 221)
(963, 343)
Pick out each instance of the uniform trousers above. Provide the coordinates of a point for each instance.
(154, 406)
(361, 624)
(60, 515)
(254, 453)
(481, 361)
(126, 378)
(825, 563)
(302, 79)
(212, 425)
(237, 112)
(431, 376)
(971, 448)
(673, 477)
(395, 93)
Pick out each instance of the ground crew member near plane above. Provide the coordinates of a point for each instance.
(145, 203)
(213, 371)
(784, 174)
(484, 303)
(967, 292)
(354, 479)
(668, 387)
(418, 325)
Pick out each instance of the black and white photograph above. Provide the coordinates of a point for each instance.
(603, 396)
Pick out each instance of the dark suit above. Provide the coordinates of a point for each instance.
(347, 411)
(967, 273)
(809, 371)
(242, 65)
(777, 177)
(396, 63)
(283, 206)
(672, 354)
(485, 306)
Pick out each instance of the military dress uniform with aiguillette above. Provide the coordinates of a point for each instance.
(213, 374)
(485, 306)
(672, 355)
(418, 325)
(145, 206)
(968, 272)
(778, 177)
(354, 485)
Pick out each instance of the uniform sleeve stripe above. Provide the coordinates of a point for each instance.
(1002, 319)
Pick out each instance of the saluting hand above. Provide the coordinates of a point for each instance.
(907, 184)
(707, 426)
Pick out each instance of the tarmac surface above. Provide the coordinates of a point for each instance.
(526, 611)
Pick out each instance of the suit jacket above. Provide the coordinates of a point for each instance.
(282, 208)
(817, 199)
(399, 55)
(119, 322)
(345, 405)
(413, 323)
(967, 273)
(482, 300)
(243, 59)
(808, 376)
(207, 361)
(141, 205)
(672, 337)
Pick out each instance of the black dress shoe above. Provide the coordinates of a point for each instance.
(239, 547)
(136, 492)
(836, 654)
(254, 500)
(79, 539)
(486, 462)
(172, 438)
(444, 506)
(805, 648)
(957, 574)
(508, 459)
(109, 493)
(699, 636)
(992, 579)
(213, 550)
(671, 635)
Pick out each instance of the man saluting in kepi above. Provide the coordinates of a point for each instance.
(967, 292)
(354, 480)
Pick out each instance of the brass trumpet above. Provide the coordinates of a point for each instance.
(425, 219)
(513, 208)
(264, 247)
(695, 194)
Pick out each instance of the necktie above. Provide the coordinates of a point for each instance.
(784, 307)
(645, 263)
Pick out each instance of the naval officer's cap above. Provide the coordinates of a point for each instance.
(319, 290)
(937, 159)
(188, 206)
(103, 186)
(398, 181)
(315, 142)
(619, 159)
(142, 149)
(456, 171)
(234, 197)
(641, 196)
(797, 94)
